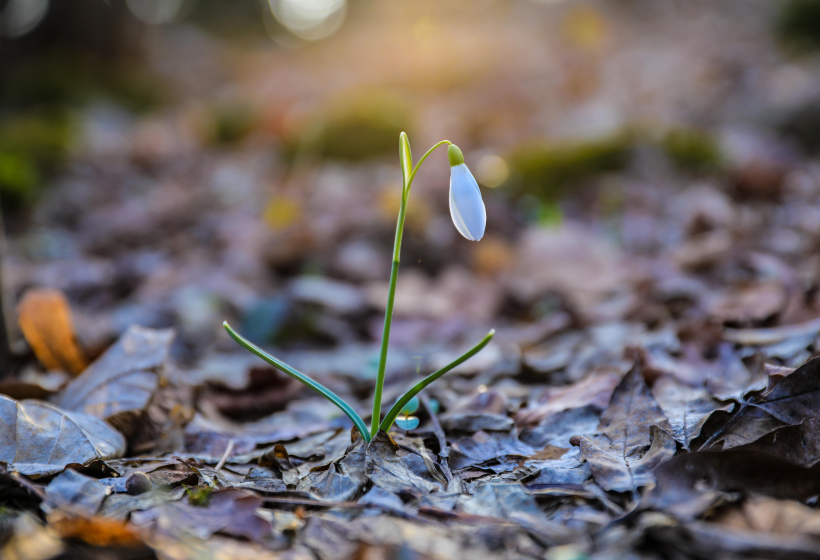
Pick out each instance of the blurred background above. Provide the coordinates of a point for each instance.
(181, 162)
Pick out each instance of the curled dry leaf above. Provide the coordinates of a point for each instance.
(45, 320)
(123, 380)
(37, 438)
(793, 400)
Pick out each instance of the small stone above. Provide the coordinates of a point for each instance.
(137, 483)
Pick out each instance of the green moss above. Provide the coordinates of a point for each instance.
(546, 170)
(31, 146)
(360, 127)
(798, 24)
(19, 179)
(691, 149)
(199, 496)
(44, 137)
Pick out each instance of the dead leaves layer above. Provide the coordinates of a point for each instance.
(38, 438)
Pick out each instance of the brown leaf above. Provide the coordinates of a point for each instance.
(123, 380)
(76, 494)
(120, 506)
(770, 516)
(634, 437)
(593, 390)
(31, 540)
(37, 438)
(689, 482)
(707, 540)
(622, 473)
(96, 531)
(797, 397)
(687, 408)
(513, 503)
(485, 447)
(388, 471)
(45, 319)
(749, 304)
(557, 429)
(772, 335)
(799, 445)
(230, 511)
(794, 399)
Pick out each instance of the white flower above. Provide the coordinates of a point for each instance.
(466, 205)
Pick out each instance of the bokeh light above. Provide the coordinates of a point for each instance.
(310, 19)
(155, 11)
(21, 16)
(492, 171)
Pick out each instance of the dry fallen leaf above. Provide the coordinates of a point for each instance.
(37, 438)
(792, 401)
(96, 531)
(634, 437)
(45, 319)
(123, 380)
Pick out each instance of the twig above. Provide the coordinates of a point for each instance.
(225, 456)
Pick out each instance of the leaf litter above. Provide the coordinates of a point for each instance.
(652, 391)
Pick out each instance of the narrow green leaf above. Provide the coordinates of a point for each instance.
(405, 157)
(402, 402)
(318, 387)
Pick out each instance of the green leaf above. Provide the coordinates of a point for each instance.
(318, 387)
(405, 157)
(407, 422)
(402, 402)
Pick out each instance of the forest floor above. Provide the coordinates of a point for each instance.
(652, 275)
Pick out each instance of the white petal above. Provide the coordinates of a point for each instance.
(466, 205)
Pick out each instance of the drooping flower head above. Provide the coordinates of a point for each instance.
(466, 205)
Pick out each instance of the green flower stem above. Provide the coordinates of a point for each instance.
(298, 375)
(394, 273)
(408, 396)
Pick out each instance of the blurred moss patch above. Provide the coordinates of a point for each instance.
(691, 149)
(546, 170)
(359, 127)
(18, 178)
(59, 80)
(230, 122)
(199, 496)
(31, 145)
(798, 24)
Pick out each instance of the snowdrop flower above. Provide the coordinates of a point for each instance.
(466, 205)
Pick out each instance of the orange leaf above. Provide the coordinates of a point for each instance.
(45, 319)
